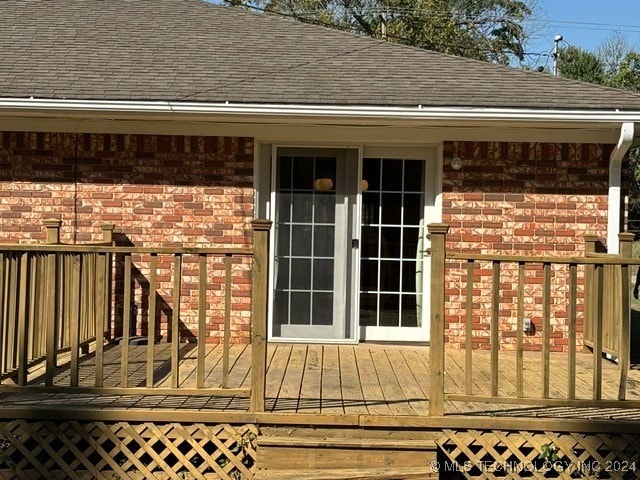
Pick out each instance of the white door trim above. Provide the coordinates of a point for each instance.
(432, 153)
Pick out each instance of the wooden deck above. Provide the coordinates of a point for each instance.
(364, 379)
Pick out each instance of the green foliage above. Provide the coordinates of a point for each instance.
(489, 30)
(549, 453)
(614, 64)
(582, 65)
(628, 76)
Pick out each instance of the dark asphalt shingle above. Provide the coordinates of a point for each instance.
(189, 50)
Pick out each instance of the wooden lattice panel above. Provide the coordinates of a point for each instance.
(125, 450)
(498, 454)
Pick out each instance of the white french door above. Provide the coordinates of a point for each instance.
(392, 254)
(349, 243)
(314, 201)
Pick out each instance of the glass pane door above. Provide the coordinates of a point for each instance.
(391, 257)
(310, 245)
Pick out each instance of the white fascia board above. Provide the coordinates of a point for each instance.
(296, 113)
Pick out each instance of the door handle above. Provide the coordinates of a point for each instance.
(355, 243)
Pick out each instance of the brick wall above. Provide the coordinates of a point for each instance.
(515, 198)
(520, 199)
(157, 190)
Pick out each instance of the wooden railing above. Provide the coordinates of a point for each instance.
(605, 306)
(88, 291)
(47, 302)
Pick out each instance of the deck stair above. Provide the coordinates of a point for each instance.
(355, 454)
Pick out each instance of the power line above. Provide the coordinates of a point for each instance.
(298, 16)
(465, 17)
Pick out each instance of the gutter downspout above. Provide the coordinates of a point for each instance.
(615, 179)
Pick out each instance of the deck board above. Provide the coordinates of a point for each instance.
(331, 393)
(277, 370)
(351, 385)
(310, 391)
(364, 379)
(415, 396)
(289, 391)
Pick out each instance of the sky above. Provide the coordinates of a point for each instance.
(585, 23)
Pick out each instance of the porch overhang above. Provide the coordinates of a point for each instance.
(266, 120)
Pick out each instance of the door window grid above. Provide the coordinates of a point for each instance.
(374, 261)
(319, 298)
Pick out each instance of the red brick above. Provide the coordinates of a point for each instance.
(141, 191)
(536, 207)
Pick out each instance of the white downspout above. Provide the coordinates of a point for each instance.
(615, 178)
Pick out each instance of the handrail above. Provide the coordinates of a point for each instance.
(92, 248)
(56, 295)
(603, 295)
(92, 288)
(592, 259)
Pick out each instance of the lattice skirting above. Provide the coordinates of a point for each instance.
(481, 454)
(125, 450)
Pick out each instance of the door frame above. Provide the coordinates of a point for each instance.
(264, 186)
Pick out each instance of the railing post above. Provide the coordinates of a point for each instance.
(107, 232)
(51, 298)
(626, 252)
(107, 237)
(589, 291)
(52, 226)
(438, 235)
(261, 230)
(102, 300)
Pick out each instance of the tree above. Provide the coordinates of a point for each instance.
(616, 65)
(490, 30)
(611, 52)
(628, 75)
(580, 64)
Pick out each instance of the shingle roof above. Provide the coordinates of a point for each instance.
(195, 51)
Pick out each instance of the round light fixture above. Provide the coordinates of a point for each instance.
(323, 184)
(456, 163)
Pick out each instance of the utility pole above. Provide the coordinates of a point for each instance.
(383, 25)
(556, 54)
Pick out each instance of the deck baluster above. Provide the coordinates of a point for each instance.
(103, 291)
(469, 330)
(227, 321)
(51, 299)
(202, 318)
(520, 332)
(126, 322)
(495, 329)
(626, 251)
(74, 316)
(546, 328)
(598, 324)
(573, 307)
(23, 312)
(151, 321)
(175, 321)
